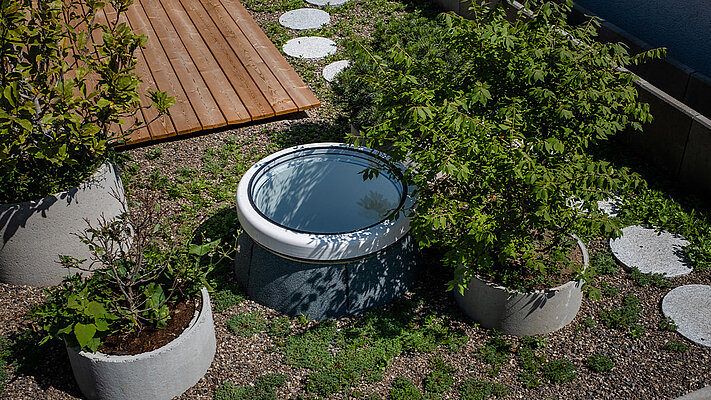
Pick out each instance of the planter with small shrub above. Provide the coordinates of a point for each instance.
(67, 83)
(141, 326)
(495, 120)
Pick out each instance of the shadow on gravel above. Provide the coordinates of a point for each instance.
(48, 364)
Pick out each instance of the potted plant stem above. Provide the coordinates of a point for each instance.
(496, 119)
(141, 325)
(67, 84)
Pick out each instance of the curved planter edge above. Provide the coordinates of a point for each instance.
(34, 233)
(163, 373)
(522, 314)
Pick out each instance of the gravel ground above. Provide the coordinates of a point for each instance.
(642, 370)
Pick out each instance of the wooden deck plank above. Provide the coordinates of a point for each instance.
(158, 125)
(270, 86)
(182, 113)
(196, 90)
(294, 85)
(227, 98)
(141, 134)
(251, 96)
(214, 59)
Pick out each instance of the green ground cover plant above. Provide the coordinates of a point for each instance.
(4, 358)
(474, 389)
(404, 389)
(656, 280)
(559, 371)
(365, 347)
(280, 327)
(600, 362)
(603, 263)
(667, 325)
(264, 389)
(625, 317)
(495, 353)
(495, 119)
(675, 346)
(247, 324)
(440, 379)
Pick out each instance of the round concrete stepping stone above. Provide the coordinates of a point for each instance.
(331, 3)
(690, 308)
(310, 47)
(610, 207)
(304, 18)
(333, 69)
(651, 251)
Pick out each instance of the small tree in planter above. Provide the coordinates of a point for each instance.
(139, 284)
(67, 82)
(495, 119)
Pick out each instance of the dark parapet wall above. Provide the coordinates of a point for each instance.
(678, 141)
(683, 27)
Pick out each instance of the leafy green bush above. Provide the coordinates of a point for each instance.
(599, 362)
(264, 389)
(63, 93)
(494, 119)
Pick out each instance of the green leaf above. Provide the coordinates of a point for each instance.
(84, 333)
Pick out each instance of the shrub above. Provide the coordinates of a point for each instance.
(137, 277)
(494, 119)
(64, 92)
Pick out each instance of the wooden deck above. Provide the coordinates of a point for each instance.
(217, 63)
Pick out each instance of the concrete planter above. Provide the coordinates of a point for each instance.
(33, 234)
(163, 373)
(522, 314)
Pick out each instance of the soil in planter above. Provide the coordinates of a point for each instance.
(150, 339)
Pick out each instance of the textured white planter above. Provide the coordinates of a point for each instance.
(160, 374)
(522, 314)
(33, 234)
